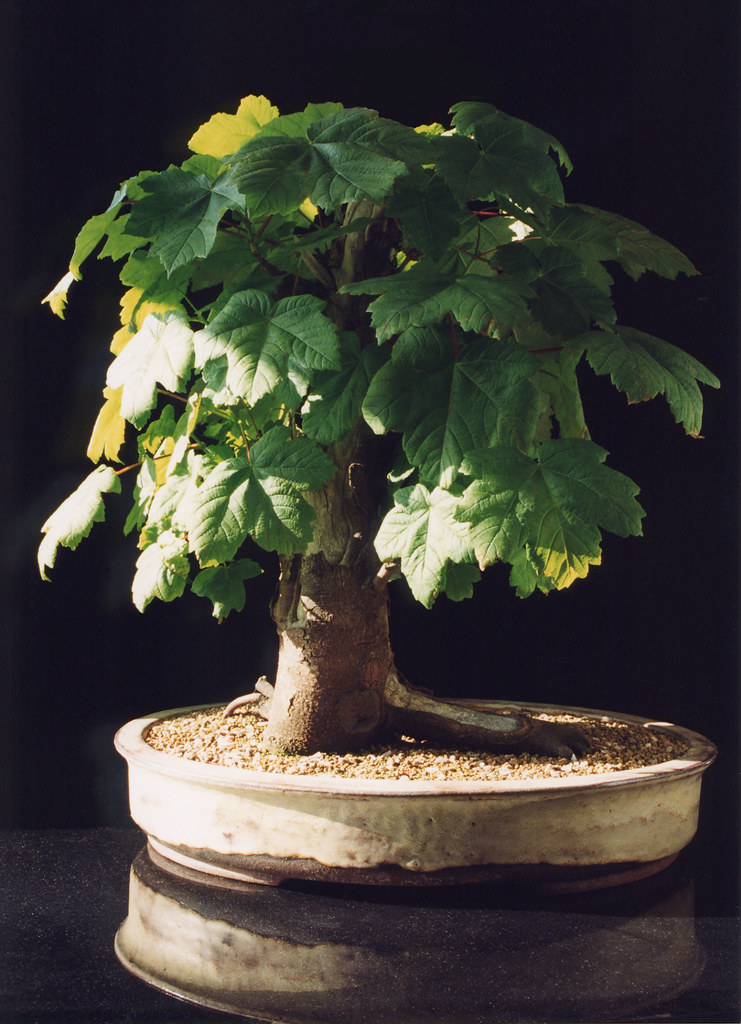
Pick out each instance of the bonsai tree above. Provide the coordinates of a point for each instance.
(355, 344)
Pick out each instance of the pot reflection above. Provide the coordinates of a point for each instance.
(341, 956)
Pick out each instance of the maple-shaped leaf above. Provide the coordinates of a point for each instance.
(581, 230)
(557, 381)
(643, 366)
(640, 250)
(490, 506)
(161, 570)
(296, 125)
(180, 212)
(505, 161)
(94, 230)
(144, 274)
(431, 216)
(565, 299)
(446, 404)
(252, 343)
(258, 497)
(362, 155)
(347, 155)
(75, 517)
(470, 116)
(334, 405)
(422, 533)
(459, 580)
(223, 585)
(224, 134)
(161, 352)
(424, 295)
(109, 429)
(275, 174)
(553, 505)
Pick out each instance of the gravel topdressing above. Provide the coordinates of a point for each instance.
(234, 742)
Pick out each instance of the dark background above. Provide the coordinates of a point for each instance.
(643, 94)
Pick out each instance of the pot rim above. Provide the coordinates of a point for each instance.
(130, 742)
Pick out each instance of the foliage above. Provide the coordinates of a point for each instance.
(238, 370)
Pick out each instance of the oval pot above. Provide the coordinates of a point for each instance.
(574, 832)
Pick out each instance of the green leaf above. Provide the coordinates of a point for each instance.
(161, 570)
(640, 250)
(223, 585)
(557, 380)
(446, 405)
(559, 501)
(469, 117)
(93, 231)
(565, 298)
(643, 366)
(424, 295)
(567, 302)
(507, 161)
(258, 497)
(334, 405)
(431, 217)
(459, 580)
(232, 266)
(363, 155)
(161, 352)
(581, 230)
(346, 155)
(260, 341)
(180, 213)
(422, 533)
(490, 505)
(296, 125)
(145, 273)
(275, 174)
(75, 517)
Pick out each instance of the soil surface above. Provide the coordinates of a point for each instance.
(207, 736)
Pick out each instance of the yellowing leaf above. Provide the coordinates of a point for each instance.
(133, 314)
(309, 210)
(224, 134)
(57, 297)
(109, 429)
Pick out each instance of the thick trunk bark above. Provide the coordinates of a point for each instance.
(330, 610)
(332, 618)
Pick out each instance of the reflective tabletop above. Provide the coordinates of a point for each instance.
(95, 931)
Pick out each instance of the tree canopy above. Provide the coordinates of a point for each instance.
(235, 371)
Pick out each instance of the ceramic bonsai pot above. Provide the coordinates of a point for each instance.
(579, 831)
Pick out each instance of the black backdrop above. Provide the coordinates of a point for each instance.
(644, 97)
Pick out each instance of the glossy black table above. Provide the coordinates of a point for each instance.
(665, 949)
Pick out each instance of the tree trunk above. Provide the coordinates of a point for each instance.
(332, 617)
(336, 686)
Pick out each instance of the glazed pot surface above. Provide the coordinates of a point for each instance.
(266, 826)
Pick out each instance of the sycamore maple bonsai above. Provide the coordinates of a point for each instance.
(355, 344)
